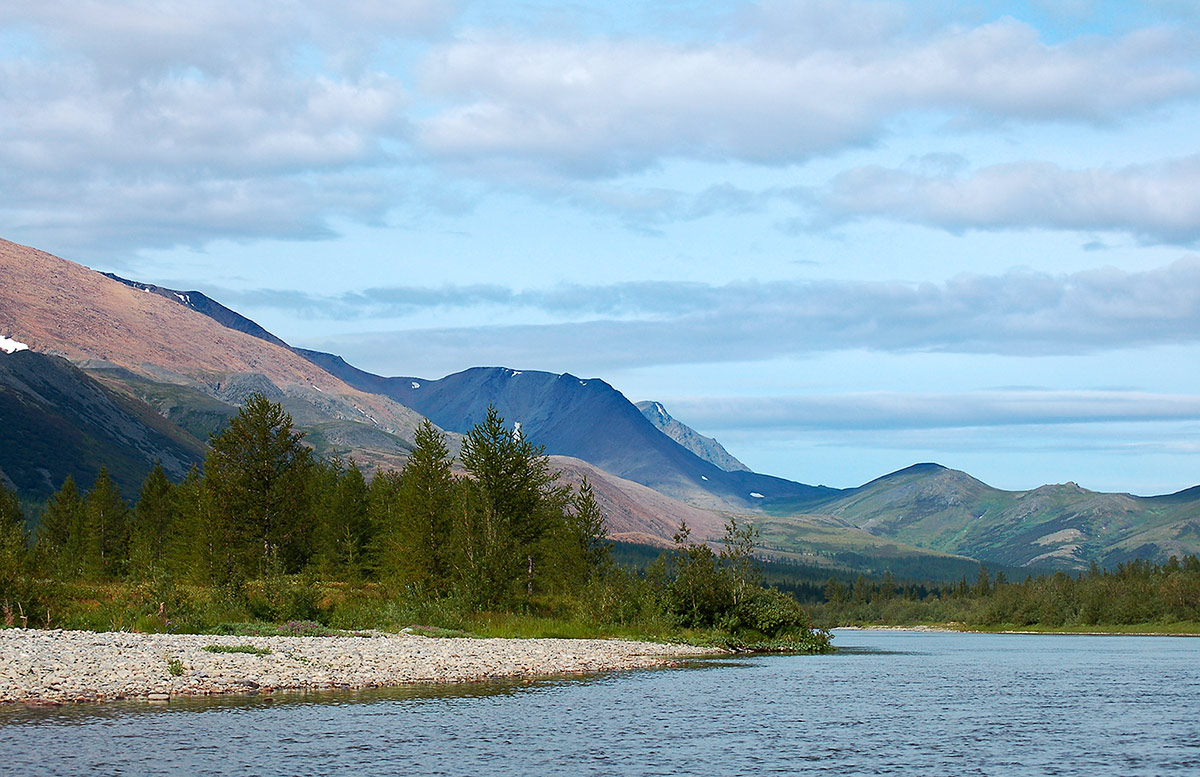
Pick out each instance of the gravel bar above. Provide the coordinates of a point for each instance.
(54, 667)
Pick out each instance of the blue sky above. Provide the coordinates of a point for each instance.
(842, 237)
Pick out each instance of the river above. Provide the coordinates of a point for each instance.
(886, 703)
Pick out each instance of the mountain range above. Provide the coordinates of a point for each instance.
(126, 373)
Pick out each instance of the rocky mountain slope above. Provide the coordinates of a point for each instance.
(705, 447)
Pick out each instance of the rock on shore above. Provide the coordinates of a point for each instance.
(62, 666)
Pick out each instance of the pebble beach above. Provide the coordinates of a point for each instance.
(54, 667)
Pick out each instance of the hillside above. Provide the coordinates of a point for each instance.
(1062, 526)
(706, 448)
(56, 421)
(181, 360)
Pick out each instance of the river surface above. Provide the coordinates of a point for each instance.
(888, 703)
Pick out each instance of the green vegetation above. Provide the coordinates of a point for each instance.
(251, 649)
(175, 667)
(269, 534)
(1133, 597)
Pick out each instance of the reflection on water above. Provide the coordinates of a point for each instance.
(888, 703)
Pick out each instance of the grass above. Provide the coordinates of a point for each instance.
(251, 649)
(175, 667)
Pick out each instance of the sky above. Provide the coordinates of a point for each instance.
(841, 236)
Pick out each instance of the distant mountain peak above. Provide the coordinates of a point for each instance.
(706, 448)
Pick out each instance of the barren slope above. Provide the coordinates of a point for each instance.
(62, 308)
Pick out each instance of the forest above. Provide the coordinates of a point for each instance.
(1134, 596)
(267, 535)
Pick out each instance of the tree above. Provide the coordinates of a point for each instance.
(737, 561)
(590, 530)
(343, 531)
(257, 472)
(419, 534)
(152, 526)
(107, 532)
(61, 544)
(13, 544)
(698, 591)
(518, 488)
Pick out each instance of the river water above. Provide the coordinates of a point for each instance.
(887, 703)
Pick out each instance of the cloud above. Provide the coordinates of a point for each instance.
(1157, 203)
(194, 121)
(898, 411)
(635, 324)
(224, 103)
(608, 106)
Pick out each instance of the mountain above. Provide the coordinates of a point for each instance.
(705, 447)
(1059, 526)
(124, 373)
(188, 365)
(55, 420)
(201, 303)
(582, 418)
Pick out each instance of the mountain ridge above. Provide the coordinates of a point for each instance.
(706, 448)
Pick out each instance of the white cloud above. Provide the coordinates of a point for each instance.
(1157, 203)
(606, 106)
(153, 124)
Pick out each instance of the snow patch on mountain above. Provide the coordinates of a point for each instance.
(8, 345)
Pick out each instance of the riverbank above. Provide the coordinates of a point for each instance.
(57, 666)
(1135, 630)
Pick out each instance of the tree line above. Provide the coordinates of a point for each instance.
(507, 536)
(263, 505)
(1136, 592)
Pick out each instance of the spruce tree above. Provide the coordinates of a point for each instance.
(520, 494)
(353, 538)
(153, 522)
(421, 531)
(107, 517)
(589, 527)
(342, 533)
(257, 471)
(61, 541)
(196, 544)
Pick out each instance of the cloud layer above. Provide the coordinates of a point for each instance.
(896, 410)
(632, 324)
(142, 124)
(608, 106)
(1157, 203)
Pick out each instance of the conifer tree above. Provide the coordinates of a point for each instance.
(342, 534)
(153, 523)
(426, 497)
(519, 493)
(590, 529)
(353, 539)
(196, 544)
(107, 518)
(257, 471)
(61, 544)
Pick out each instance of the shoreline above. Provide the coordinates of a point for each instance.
(968, 630)
(57, 667)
